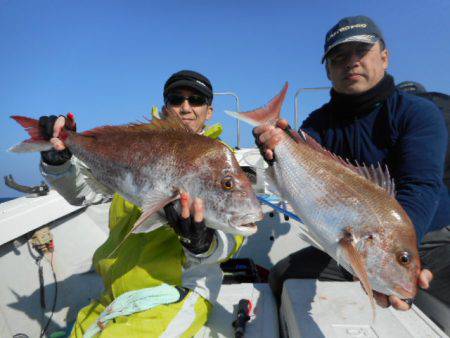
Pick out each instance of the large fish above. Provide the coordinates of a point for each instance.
(350, 212)
(150, 164)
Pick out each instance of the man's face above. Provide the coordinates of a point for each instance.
(193, 112)
(356, 67)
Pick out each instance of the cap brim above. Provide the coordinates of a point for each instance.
(189, 84)
(370, 39)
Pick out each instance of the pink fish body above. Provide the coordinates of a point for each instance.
(349, 212)
(149, 164)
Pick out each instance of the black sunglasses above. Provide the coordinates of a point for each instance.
(194, 100)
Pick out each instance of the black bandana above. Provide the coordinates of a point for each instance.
(360, 104)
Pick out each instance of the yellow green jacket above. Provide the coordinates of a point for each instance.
(145, 259)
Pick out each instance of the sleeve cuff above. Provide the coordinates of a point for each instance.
(56, 169)
(210, 251)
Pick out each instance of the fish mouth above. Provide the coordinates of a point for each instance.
(409, 301)
(242, 225)
(406, 295)
(245, 224)
(248, 228)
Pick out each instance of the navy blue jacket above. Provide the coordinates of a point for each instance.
(408, 134)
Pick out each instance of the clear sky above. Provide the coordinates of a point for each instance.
(107, 61)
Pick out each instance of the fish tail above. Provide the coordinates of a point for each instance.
(37, 141)
(270, 113)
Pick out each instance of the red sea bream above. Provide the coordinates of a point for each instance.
(350, 212)
(151, 163)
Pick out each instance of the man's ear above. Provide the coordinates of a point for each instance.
(209, 112)
(385, 58)
(163, 112)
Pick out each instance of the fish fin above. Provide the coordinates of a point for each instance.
(171, 123)
(378, 175)
(37, 140)
(270, 179)
(310, 141)
(30, 146)
(149, 208)
(347, 243)
(152, 206)
(307, 237)
(270, 113)
(31, 126)
(298, 137)
(93, 184)
(242, 118)
(157, 220)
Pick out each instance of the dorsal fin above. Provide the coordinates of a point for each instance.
(377, 175)
(168, 123)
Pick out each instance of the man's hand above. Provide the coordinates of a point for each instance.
(193, 233)
(51, 127)
(267, 137)
(425, 277)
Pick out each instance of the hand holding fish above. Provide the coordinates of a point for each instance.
(267, 137)
(424, 279)
(51, 127)
(57, 127)
(193, 233)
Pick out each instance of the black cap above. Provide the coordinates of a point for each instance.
(189, 79)
(352, 29)
(412, 87)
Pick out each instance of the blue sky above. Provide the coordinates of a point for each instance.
(107, 61)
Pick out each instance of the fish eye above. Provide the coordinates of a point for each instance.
(227, 183)
(404, 257)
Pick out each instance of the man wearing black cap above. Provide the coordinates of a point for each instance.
(189, 95)
(371, 122)
(184, 260)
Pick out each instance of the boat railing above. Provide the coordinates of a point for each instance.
(296, 107)
(296, 101)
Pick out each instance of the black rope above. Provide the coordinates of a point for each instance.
(55, 298)
(38, 259)
(41, 284)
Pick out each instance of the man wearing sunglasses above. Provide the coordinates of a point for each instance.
(189, 95)
(371, 122)
(182, 257)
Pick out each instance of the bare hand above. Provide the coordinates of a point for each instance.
(268, 137)
(58, 126)
(197, 207)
